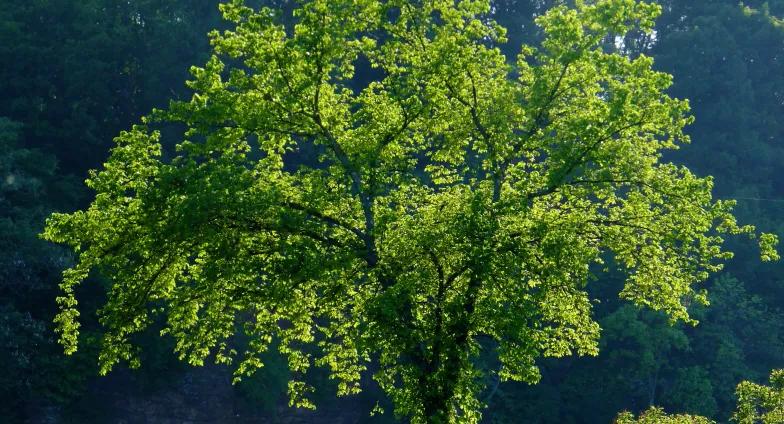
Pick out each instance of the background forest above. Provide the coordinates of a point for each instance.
(75, 73)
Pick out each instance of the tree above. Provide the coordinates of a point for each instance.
(452, 204)
(756, 404)
(761, 404)
(641, 342)
(657, 416)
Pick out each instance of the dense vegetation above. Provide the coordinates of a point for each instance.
(74, 74)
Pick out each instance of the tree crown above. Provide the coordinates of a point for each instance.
(375, 181)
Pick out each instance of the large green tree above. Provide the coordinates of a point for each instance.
(456, 201)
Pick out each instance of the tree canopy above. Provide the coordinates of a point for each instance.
(457, 200)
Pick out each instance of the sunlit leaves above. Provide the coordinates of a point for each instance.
(658, 416)
(438, 203)
(759, 403)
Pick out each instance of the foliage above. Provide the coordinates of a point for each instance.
(756, 404)
(725, 55)
(33, 363)
(76, 72)
(657, 416)
(724, 59)
(647, 339)
(761, 404)
(451, 204)
(73, 73)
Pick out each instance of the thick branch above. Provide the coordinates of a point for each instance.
(326, 219)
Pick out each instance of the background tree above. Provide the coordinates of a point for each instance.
(35, 371)
(761, 404)
(657, 416)
(757, 404)
(76, 73)
(72, 75)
